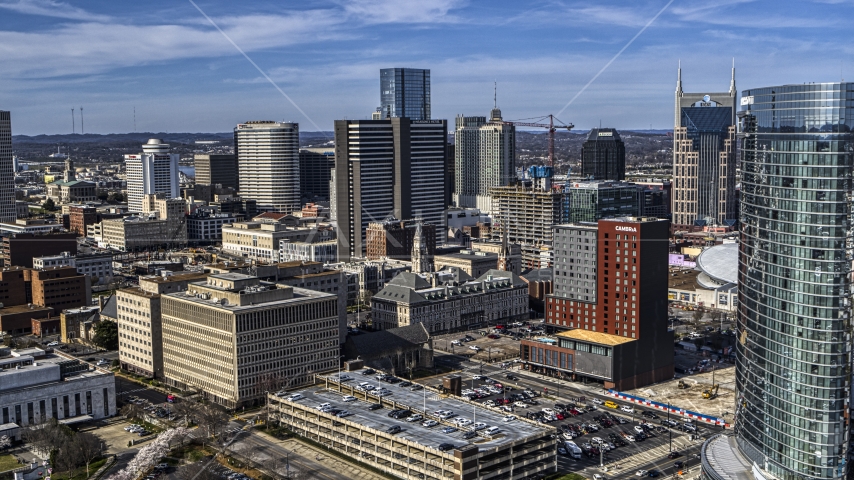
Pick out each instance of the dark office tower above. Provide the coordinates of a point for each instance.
(315, 167)
(405, 92)
(7, 175)
(216, 169)
(387, 168)
(603, 155)
(793, 378)
(704, 158)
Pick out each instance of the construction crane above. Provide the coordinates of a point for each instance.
(536, 122)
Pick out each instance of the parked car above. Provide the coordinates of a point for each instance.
(429, 423)
(348, 398)
(394, 429)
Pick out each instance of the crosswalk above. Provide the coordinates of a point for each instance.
(125, 392)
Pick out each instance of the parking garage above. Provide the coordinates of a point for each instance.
(520, 449)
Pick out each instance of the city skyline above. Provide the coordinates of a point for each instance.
(326, 57)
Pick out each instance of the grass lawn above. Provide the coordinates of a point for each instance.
(566, 476)
(192, 452)
(80, 473)
(8, 462)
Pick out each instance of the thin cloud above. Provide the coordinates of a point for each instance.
(403, 11)
(52, 8)
(92, 47)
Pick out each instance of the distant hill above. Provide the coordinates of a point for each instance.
(141, 137)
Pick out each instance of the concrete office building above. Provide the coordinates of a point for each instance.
(153, 171)
(7, 173)
(485, 157)
(704, 158)
(217, 169)
(234, 338)
(609, 292)
(386, 168)
(268, 158)
(315, 172)
(261, 241)
(793, 378)
(323, 252)
(162, 223)
(37, 386)
(140, 332)
(603, 155)
(404, 92)
(206, 227)
(447, 302)
(99, 267)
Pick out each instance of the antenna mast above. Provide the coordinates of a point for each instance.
(73, 127)
(81, 121)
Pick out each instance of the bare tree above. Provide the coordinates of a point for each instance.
(87, 447)
(132, 410)
(212, 419)
(187, 409)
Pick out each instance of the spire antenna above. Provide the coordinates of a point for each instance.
(495, 95)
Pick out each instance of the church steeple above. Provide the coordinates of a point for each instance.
(504, 254)
(422, 261)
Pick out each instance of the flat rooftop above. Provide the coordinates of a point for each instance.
(595, 337)
(176, 277)
(23, 308)
(513, 431)
(299, 294)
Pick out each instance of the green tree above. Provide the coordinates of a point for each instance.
(107, 335)
(49, 205)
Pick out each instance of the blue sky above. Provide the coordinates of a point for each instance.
(182, 75)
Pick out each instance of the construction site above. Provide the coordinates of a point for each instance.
(711, 392)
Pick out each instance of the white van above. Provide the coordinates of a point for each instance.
(492, 431)
(573, 450)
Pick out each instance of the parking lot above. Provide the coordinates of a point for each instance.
(488, 344)
(627, 457)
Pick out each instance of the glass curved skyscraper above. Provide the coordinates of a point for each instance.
(792, 374)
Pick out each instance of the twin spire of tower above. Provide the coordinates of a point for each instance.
(732, 90)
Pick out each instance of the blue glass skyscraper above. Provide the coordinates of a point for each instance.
(793, 377)
(405, 92)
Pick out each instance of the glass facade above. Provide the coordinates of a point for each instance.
(405, 92)
(792, 375)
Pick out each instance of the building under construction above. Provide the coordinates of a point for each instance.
(528, 213)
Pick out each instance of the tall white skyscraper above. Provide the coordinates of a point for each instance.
(155, 170)
(7, 173)
(268, 160)
(485, 154)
